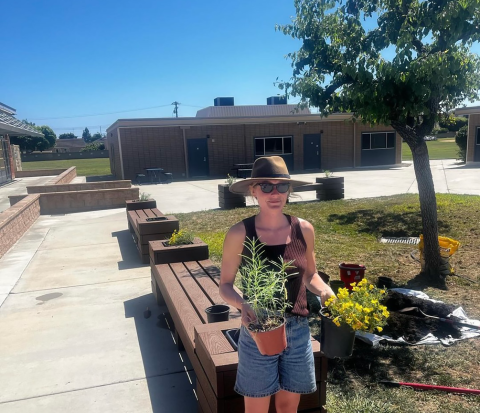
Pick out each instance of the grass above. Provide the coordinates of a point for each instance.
(85, 167)
(443, 148)
(348, 230)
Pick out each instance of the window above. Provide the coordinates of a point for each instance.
(478, 137)
(378, 140)
(281, 145)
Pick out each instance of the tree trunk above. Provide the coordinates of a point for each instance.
(428, 205)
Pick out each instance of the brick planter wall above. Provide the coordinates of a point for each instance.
(78, 187)
(38, 172)
(16, 220)
(65, 177)
(80, 201)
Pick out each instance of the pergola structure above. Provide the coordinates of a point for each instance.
(10, 126)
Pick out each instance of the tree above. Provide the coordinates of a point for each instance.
(97, 136)
(343, 65)
(40, 143)
(87, 137)
(49, 135)
(67, 136)
(94, 146)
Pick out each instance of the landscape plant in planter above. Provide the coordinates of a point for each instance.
(360, 310)
(143, 202)
(227, 199)
(263, 283)
(182, 246)
(332, 187)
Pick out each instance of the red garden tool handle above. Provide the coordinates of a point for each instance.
(431, 387)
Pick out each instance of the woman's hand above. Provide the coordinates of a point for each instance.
(248, 314)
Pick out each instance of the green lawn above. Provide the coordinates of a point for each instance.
(348, 231)
(444, 148)
(85, 167)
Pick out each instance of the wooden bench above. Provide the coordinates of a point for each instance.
(148, 225)
(187, 289)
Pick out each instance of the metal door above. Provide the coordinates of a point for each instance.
(197, 158)
(312, 154)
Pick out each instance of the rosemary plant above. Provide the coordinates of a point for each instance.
(263, 283)
(144, 196)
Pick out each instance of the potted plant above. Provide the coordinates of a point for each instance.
(182, 246)
(360, 310)
(263, 283)
(143, 202)
(332, 187)
(227, 199)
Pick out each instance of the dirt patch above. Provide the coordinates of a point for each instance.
(412, 325)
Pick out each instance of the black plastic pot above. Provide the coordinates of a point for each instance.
(335, 341)
(217, 313)
(384, 282)
(336, 284)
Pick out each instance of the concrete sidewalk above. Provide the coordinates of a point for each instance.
(73, 294)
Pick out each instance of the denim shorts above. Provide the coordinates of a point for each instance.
(292, 370)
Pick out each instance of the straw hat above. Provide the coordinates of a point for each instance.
(266, 168)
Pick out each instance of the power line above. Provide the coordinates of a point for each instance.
(100, 114)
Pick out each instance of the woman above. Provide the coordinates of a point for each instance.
(291, 373)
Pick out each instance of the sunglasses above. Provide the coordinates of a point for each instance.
(268, 187)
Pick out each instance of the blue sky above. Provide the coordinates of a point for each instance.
(68, 59)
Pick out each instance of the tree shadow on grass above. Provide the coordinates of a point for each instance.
(384, 223)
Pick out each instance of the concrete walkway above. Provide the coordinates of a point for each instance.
(18, 187)
(73, 294)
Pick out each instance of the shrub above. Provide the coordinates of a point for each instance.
(461, 141)
(453, 124)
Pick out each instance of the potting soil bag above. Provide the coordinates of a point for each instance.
(448, 247)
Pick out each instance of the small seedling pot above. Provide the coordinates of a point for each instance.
(217, 313)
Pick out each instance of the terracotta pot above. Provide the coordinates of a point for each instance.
(335, 341)
(271, 342)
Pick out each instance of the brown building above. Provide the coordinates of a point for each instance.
(473, 140)
(10, 126)
(220, 136)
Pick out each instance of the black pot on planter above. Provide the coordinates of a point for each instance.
(135, 204)
(332, 188)
(229, 200)
(217, 313)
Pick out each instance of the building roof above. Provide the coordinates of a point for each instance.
(185, 123)
(70, 143)
(468, 110)
(14, 127)
(250, 111)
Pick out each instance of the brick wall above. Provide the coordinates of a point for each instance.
(230, 144)
(15, 221)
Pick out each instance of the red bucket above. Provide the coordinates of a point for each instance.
(350, 273)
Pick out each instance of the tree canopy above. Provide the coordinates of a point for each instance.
(402, 63)
(49, 135)
(67, 136)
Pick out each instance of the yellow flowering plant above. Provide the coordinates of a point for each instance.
(181, 237)
(361, 309)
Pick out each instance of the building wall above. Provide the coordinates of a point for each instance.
(114, 153)
(144, 147)
(361, 128)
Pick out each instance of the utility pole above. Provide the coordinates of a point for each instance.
(175, 110)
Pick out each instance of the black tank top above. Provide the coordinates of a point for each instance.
(295, 250)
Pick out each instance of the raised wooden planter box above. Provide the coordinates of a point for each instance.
(229, 200)
(332, 188)
(162, 253)
(134, 204)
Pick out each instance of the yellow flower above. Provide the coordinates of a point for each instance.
(358, 307)
(337, 323)
(379, 329)
(382, 291)
(367, 310)
(371, 287)
(374, 301)
(366, 319)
